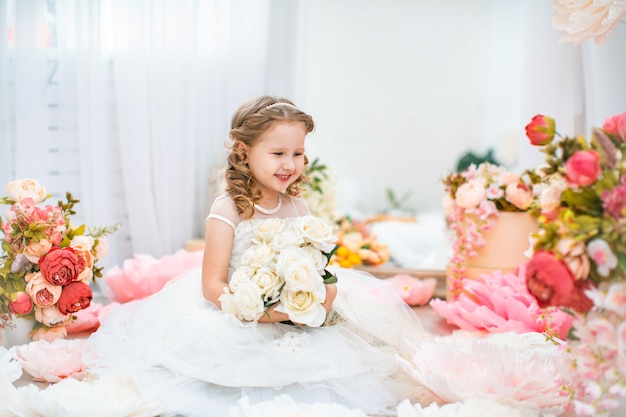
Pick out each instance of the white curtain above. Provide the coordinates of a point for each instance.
(134, 98)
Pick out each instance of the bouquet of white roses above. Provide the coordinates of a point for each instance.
(286, 263)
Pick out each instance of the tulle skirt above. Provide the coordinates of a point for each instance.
(196, 360)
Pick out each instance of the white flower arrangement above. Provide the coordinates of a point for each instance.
(286, 263)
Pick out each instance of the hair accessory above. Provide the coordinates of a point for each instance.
(281, 103)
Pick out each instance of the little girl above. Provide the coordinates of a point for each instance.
(197, 359)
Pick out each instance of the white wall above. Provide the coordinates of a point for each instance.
(400, 89)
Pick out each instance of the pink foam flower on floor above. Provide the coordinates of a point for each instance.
(500, 302)
(51, 361)
(414, 291)
(88, 320)
(144, 275)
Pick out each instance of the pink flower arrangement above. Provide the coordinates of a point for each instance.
(579, 259)
(47, 263)
(473, 200)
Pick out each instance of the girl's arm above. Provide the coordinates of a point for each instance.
(218, 243)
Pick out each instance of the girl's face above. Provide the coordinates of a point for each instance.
(277, 159)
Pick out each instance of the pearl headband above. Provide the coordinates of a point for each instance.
(279, 104)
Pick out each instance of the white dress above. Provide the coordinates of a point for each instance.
(197, 360)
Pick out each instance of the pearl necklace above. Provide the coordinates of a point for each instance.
(269, 211)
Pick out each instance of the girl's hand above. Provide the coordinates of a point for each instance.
(331, 294)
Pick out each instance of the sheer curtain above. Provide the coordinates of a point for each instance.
(127, 103)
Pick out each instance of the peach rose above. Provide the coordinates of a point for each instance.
(41, 291)
(19, 190)
(51, 316)
(550, 198)
(36, 250)
(575, 256)
(519, 194)
(470, 194)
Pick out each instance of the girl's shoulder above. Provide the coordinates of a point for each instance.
(299, 204)
(224, 209)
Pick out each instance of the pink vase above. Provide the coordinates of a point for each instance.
(504, 247)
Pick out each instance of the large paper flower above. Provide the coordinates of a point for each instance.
(515, 370)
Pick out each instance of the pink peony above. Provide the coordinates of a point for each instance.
(145, 275)
(583, 168)
(414, 291)
(88, 320)
(499, 303)
(51, 361)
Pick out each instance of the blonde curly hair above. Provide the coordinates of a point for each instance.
(249, 122)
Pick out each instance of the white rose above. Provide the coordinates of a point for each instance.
(266, 231)
(102, 248)
(301, 275)
(18, 190)
(258, 255)
(245, 302)
(297, 269)
(241, 274)
(317, 258)
(82, 242)
(269, 283)
(304, 307)
(316, 232)
(288, 238)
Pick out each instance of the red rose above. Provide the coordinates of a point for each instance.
(21, 303)
(75, 296)
(583, 168)
(551, 282)
(60, 266)
(540, 130)
(616, 125)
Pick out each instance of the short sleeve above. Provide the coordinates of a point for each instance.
(224, 209)
(300, 206)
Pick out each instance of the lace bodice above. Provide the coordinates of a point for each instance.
(291, 208)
